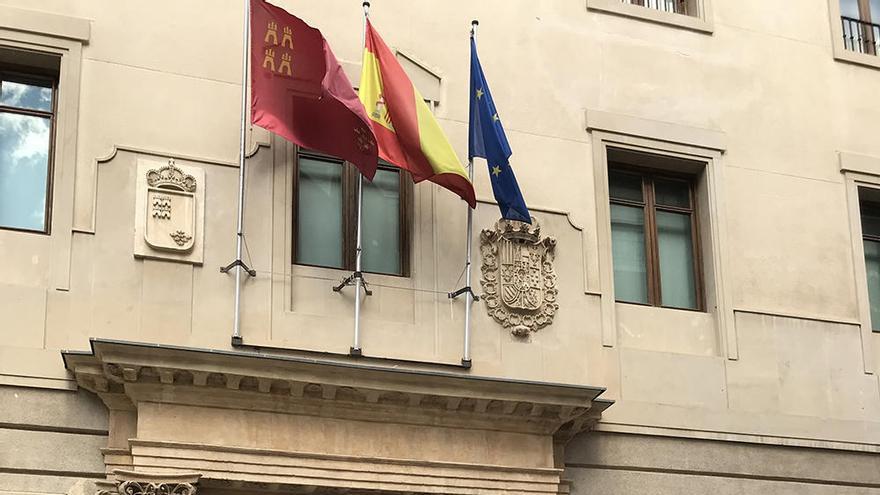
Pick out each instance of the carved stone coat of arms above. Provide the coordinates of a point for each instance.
(519, 283)
(171, 208)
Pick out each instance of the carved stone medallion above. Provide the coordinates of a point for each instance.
(171, 209)
(519, 283)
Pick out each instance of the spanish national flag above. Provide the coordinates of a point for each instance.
(406, 131)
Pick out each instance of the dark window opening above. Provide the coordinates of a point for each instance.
(325, 216)
(654, 238)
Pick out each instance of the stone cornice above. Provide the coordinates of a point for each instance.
(157, 373)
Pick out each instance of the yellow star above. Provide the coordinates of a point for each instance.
(495, 118)
(479, 93)
(496, 171)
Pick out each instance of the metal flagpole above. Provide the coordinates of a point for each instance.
(245, 56)
(469, 296)
(358, 276)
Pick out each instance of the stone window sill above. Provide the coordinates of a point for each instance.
(651, 15)
(841, 54)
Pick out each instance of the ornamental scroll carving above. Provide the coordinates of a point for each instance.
(518, 279)
(148, 488)
(137, 483)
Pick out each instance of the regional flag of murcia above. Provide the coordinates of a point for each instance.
(299, 91)
(406, 130)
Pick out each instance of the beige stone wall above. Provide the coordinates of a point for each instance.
(50, 440)
(623, 464)
(785, 360)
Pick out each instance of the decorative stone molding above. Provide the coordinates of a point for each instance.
(519, 282)
(136, 483)
(170, 212)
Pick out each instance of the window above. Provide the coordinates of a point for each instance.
(870, 217)
(675, 6)
(325, 216)
(27, 121)
(694, 15)
(859, 21)
(654, 241)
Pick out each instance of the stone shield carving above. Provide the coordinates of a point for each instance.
(171, 209)
(518, 279)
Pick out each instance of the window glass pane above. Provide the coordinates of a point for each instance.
(875, 11)
(319, 217)
(676, 251)
(870, 220)
(628, 251)
(381, 223)
(872, 266)
(24, 171)
(34, 97)
(849, 8)
(672, 193)
(625, 186)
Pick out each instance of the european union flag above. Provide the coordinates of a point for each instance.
(487, 140)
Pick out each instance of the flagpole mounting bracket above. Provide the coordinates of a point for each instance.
(349, 280)
(453, 295)
(250, 271)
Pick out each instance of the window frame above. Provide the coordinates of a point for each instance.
(37, 76)
(676, 147)
(841, 52)
(648, 177)
(349, 212)
(861, 175)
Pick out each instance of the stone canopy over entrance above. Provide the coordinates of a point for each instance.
(251, 421)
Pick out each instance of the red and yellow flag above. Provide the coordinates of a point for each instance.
(406, 131)
(298, 89)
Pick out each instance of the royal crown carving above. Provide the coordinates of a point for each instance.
(518, 279)
(171, 177)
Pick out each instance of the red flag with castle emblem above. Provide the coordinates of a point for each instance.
(299, 91)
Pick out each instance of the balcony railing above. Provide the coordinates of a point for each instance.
(674, 6)
(860, 36)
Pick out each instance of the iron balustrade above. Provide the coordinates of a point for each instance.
(860, 36)
(674, 6)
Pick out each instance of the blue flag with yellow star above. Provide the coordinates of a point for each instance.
(487, 140)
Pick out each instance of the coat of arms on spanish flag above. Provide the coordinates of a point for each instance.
(406, 131)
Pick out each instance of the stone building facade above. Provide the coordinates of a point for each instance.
(703, 173)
